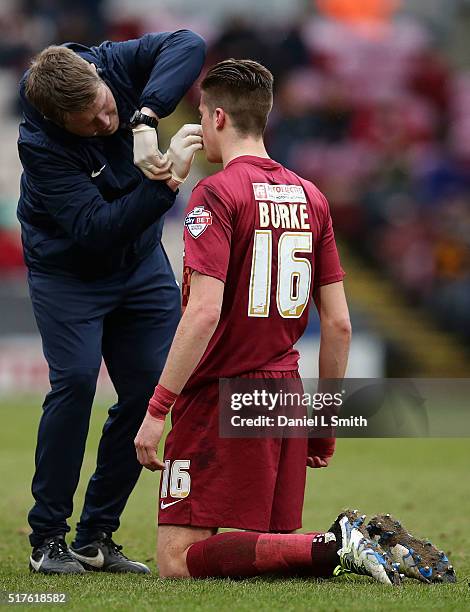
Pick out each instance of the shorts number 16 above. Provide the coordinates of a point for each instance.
(177, 476)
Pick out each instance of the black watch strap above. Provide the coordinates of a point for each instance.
(138, 118)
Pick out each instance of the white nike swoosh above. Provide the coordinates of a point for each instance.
(96, 173)
(96, 561)
(163, 505)
(36, 564)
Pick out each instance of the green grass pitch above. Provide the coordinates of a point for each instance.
(425, 483)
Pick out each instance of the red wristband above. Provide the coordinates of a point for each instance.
(161, 402)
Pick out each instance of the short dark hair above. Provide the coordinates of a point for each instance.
(61, 82)
(244, 89)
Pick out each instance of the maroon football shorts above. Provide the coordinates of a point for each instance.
(251, 483)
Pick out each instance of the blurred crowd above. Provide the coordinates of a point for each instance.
(371, 112)
(381, 124)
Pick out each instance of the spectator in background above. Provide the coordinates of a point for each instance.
(367, 107)
(80, 21)
(32, 24)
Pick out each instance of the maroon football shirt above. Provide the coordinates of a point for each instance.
(267, 234)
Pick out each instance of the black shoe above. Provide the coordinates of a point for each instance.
(53, 557)
(104, 555)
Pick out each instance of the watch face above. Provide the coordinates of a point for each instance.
(135, 118)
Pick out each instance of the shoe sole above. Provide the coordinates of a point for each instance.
(432, 565)
(110, 570)
(53, 572)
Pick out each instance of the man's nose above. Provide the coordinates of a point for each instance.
(103, 120)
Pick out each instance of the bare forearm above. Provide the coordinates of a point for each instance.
(148, 111)
(190, 341)
(334, 352)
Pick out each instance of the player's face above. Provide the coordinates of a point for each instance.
(209, 134)
(100, 119)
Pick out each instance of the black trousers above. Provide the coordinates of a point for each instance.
(128, 319)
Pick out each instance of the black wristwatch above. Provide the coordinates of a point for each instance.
(138, 118)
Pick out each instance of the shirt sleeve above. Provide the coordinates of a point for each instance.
(207, 233)
(327, 264)
(77, 206)
(162, 66)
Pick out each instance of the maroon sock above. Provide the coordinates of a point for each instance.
(243, 554)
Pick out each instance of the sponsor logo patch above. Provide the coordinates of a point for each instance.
(197, 221)
(279, 193)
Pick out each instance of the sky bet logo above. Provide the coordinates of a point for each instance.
(197, 221)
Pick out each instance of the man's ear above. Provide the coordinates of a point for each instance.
(220, 118)
(99, 71)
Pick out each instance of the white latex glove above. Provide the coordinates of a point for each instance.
(147, 157)
(182, 149)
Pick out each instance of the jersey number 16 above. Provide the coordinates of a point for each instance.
(294, 274)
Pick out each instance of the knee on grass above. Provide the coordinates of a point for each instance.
(173, 567)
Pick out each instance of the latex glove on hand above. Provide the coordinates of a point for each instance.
(182, 149)
(147, 157)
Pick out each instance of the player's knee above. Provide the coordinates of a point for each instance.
(172, 566)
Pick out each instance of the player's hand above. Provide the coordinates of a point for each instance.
(317, 462)
(182, 149)
(146, 443)
(320, 451)
(147, 157)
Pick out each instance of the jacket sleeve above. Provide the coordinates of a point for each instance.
(77, 206)
(162, 66)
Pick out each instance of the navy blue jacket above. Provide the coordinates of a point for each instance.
(74, 219)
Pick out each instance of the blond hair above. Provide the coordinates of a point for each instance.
(60, 82)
